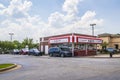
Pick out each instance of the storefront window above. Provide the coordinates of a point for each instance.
(91, 46)
(80, 46)
(84, 46)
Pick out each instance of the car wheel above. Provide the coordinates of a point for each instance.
(28, 54)
(62, 55)
(51, 55)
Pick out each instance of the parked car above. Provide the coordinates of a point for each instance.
(34, 52)
(60, 51)
(24, 51)
(15, 51)
(111, 50)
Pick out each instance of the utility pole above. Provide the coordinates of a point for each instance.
(92, 28)
(11, 35)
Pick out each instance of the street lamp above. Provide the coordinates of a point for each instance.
(92, 28)
(11, 34)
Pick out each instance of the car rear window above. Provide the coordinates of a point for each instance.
(65, 49)
(110, 49)
(54, 49)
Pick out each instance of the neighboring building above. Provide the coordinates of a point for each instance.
(80, 44)
(113, 40)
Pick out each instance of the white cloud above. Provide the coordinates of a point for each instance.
(23, 25)
(68, 23)
(2, 6)
(70, 6)
(56, 20)
(17, 7)
(88, 15)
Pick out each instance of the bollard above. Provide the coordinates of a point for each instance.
(110, 54)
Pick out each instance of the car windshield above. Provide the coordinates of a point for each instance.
(110, 49)
(65, 49)
(25, 50)
(36, 50)
(15, 50)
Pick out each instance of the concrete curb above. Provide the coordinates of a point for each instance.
(99, 56)
(8, 68)
(105, 57)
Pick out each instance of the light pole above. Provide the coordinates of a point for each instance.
(92, 28)
(11, 34)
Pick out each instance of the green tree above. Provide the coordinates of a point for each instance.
(28, 42)
(6, 46)
(104, 45)
(17, 44)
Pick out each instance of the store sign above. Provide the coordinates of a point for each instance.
(59, 40)
(89, 40)
(82, 40)
(97, 41)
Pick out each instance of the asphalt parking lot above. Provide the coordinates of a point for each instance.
(56, 68)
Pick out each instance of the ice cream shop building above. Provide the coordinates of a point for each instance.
(80, 44)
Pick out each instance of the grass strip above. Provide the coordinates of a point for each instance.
(6, 65)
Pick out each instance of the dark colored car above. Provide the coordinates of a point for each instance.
(34, 52)
(60, 51)
(111, 50)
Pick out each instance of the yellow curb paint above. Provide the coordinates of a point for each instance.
(14, 68)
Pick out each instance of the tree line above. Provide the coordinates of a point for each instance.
(10, 45)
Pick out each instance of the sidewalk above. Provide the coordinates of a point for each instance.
(106, 55)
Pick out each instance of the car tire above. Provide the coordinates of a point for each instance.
(28, 54)
(50, 54)
(62, 55)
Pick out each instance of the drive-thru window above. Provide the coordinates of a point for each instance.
(80, 44)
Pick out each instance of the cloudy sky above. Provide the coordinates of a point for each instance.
(38, 18)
